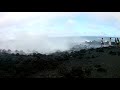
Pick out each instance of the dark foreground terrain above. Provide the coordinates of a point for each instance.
(91, 63)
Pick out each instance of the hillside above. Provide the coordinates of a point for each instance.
(91, 63)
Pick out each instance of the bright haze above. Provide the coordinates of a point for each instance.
(32, 30)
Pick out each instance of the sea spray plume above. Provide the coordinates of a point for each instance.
(45, 45)
(41, 43)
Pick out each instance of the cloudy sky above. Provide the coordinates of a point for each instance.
(13, 24)
(34, 25)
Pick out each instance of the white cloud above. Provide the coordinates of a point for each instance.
(30, 30)
(11, 18)
(29, 19)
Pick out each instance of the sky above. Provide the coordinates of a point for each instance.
(12, 24)
(27, 26)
